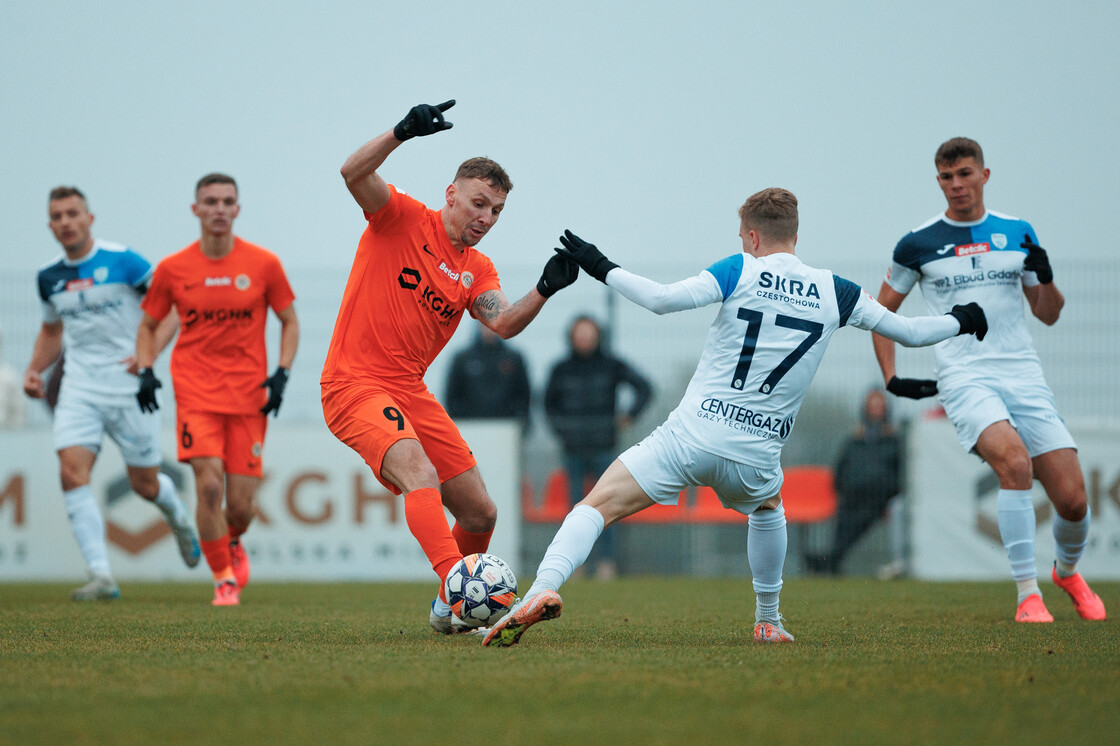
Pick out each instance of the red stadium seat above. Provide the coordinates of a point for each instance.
(808, 494)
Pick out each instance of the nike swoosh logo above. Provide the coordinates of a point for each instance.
(188, 286)
(428, 251)
(948, 247)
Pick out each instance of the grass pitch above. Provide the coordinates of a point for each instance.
(639, 660)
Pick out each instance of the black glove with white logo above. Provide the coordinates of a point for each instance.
(559, 273)
(275, 385)
(586, 256)
(1037, 261)
(146, 396)
(912, 388)
(423, 119)
(972, 318)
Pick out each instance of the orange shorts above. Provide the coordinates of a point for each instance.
(370, 418)
(237, 439)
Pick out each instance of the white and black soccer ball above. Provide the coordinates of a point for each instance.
(480, 589)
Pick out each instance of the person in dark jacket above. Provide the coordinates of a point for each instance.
(581, 401)
(488, 380)
(867, 475)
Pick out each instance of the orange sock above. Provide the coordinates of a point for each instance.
(423, 511)
(217, 556)
(471, 543)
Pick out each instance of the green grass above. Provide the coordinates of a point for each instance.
(639, 660)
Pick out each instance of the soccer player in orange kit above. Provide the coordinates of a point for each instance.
(222, 287)
(416, 270)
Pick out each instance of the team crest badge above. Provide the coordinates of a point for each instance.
(257, 449)
(467, 279)
(101, 274)
(241, 282)
(999, 240)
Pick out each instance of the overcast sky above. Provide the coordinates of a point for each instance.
(640, 125)
(643, 125)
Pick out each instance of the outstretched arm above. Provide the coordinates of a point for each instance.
(693, 292)
(370, 191)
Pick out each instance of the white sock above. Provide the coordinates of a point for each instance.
(569, 548)
(766, 553)
(1070, 538)
(1016, 528)
(88, 526)
(441, 607)
(169, 503)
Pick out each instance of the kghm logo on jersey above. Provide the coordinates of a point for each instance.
(409, 279)
(218, 316)
(760, 424)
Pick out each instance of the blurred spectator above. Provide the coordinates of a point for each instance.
(581, 401)
(867, 477)
(488, 380)
(12, 407)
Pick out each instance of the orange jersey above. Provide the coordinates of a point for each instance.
(220, 359)
(405, 296)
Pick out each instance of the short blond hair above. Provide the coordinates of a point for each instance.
(771, 213)
(486, 170)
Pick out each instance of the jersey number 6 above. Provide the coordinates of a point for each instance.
(754, 324)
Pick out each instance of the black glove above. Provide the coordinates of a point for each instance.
(585, 255)
(1037, 261)
(275, 385)
(146, 396)
(423, 119)
(559, 273)
(972, 318)
(912, 388)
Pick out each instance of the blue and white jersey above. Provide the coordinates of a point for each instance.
(980, 261)
(97, 299)
(762, 351)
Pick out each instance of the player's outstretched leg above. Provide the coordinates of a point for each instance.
(1087, 603)
(538, 607)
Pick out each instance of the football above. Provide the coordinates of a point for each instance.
(480, 589)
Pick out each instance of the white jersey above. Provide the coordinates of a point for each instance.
(762, 351)
(981, 261)
(97, 299)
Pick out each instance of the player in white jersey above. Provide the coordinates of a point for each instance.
(775, 321)
(91, 308)
(995, 394)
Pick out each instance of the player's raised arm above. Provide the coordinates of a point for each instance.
(370, 191)
(911, 388)
(693, 292)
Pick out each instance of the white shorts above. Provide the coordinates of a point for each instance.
(975, 403)
(663, 465)
(79, 422)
